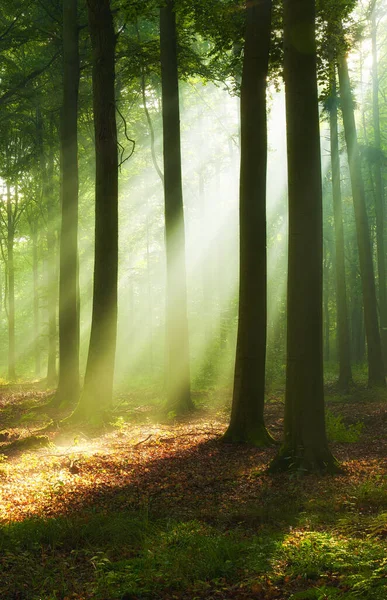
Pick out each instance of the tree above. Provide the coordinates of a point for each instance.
(374, 348)
(305, 445)
(98, 388)
(345, 373)
(12, 213)
(247, 423)
(379, 189)
(68, 384)
(177, 359)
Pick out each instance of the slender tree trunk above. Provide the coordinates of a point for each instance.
(247, 423)
(34, 228)
(47, 174)
(52, 267)
(374, 348)
(356, 304)
(326, 295)
(305, 445)
(149, 291)
(345, 373)
(379, 193)
(35, 280)
(177, 358)
(98, 389)
(68, 384)
(11, 287)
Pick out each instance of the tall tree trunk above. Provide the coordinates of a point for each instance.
(345, 373)
(149, 291)
(379, 192)
(356, 304)
(305, 445)
(68, 384)
(326, 295)
(374, 348)
(247, 424)
(11, 286)
(52, 274)
(98, 389)
(34, 223)
(35, 281)
(177, 353)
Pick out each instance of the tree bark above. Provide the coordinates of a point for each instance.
(345, 372)
(98, 389)
(374, 348)
(68, 384)
(177, 351)
(247, 422)
(305, 445)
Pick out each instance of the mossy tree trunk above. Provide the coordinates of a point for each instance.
(305, 445)
(177, 344)
(374, 347)
(247, 422)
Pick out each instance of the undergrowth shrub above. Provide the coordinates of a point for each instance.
(182, 556)
(338, 431)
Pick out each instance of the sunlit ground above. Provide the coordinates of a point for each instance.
(162, 506)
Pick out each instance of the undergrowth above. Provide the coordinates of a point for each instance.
(116, 555)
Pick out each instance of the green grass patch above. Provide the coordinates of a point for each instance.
(113, 555)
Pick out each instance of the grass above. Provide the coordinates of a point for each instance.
(111, 556)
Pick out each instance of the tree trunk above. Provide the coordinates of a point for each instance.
(345, 373)
(379, 193)
(52, 273)
(98, 389)
(374, 348)
(35, 280)
(326, 295)
(11, 287)
(305, 445)
(247, 423)
(177, 359)
(68, 384)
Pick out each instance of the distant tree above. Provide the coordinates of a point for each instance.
(305, 445)
(374, 348)
(379, 187)
(344, 352)
(177, 352)
(247, 422)
(51, 203)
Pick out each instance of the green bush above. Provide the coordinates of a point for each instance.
(337, 431)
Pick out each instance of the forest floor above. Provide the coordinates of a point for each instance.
(164, 510)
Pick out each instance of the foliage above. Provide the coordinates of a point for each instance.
(338, 431)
